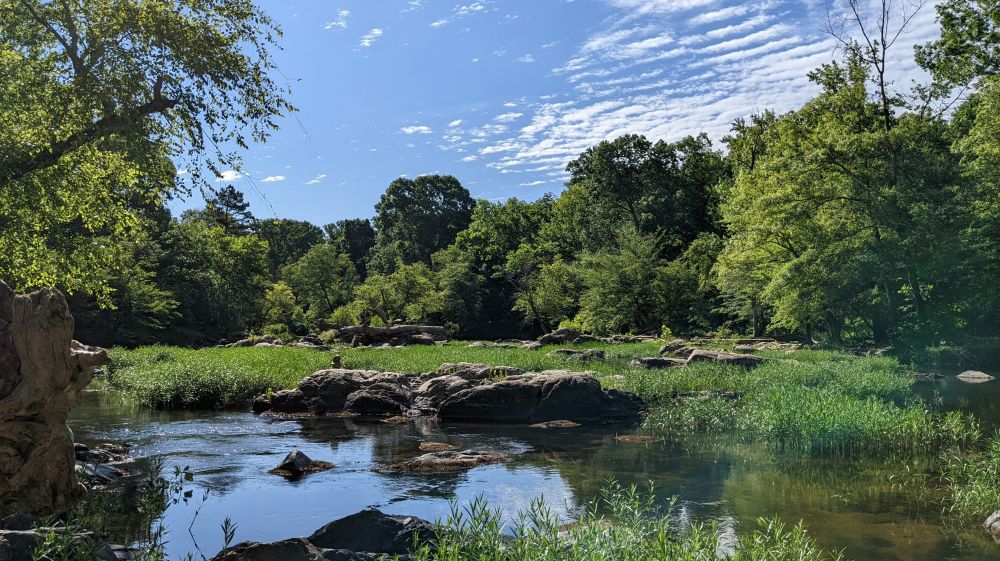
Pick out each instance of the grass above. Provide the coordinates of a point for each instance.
(620, 525)
(820, 402)
(973, 480)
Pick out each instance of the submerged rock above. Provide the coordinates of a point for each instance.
(297, 464)
(436, 447)
(451, 460)
(560, 424)
(975, 377)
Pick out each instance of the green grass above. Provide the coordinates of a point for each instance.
(814, 401)
(973, 480)
(620, 525)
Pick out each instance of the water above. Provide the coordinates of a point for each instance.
(845, 504)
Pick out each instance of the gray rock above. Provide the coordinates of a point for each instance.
(658, 362)
(581, 355)
(16, 545)
(745, 360)
(548, 396)
(295, 549)
(992, 525)
(975, 377)
(297, 464)
(672, 346)
(372, 531)
(446, 461)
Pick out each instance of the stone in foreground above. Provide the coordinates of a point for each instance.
(975, 377)
(297, 464)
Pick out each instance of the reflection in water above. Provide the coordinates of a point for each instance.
(845, 504)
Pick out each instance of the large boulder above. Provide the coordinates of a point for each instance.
(745, 360)
(42, 372)
(658, 362)
(374, 532)
(337, 390)
(547, 396)
(295, 549)
(296, 464)
(444, 461)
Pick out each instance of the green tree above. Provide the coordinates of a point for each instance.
(323, 279)
(356, 238)
(280, 308)
(227, 208)
(287, 240)
(417, 217)
(408, 294)
(96, 99)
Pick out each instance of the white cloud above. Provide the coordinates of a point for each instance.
(507, 117)
(273, 179)
(318, 179)
(228, 176)
(369, 38)
(533, 183)
(416, 129)
(470, 158)
(182, 172)
(439, 22)
(340, 22)
(527, 59)
(455, 123)
(461, 11)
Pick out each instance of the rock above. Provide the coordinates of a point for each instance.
(380, 398)
(745, 360)
(672, 346)
(115, 553)
(450, 460)
(548, 396)
(436, 447)
(295, 549)
(328, 391)
(531, 345)
(266, 345)
(477, 372)
(42, 372)
(744, 348)
(658, 362)
(419, 339)
(974, 377)
(559, 336)
(372, 531)
(98, 474)
(477, 345)
(17, 545)
(297, 464)
(992, 525)
(242, 343)
(560, 424)
(635, 438)
(581, 355)
(432, 393)
(21, 521)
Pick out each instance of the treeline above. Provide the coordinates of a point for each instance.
(870, 215)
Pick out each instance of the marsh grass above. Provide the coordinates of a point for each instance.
(621, 524)
(973, 480)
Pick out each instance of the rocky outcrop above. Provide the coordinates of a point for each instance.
(565, 335)
(975, 377)
(658, 362)
(451, 460)
(42, 372)
(368, 535)
(536, 398)
(458, 392)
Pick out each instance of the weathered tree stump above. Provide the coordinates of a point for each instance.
(42, 371)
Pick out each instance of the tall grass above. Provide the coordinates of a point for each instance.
(973, 480)
(619, 525)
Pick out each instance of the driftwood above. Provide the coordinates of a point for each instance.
(42, 371)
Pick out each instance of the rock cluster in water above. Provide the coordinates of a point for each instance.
(366, 536)
(42, 371)
(458, 392)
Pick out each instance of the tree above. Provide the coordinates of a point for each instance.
(969, 46)
(280, 308)
(228, 209)
(356, 238)
(323, 279)
(97, 98)
(287, 240)
(417, 217)
(408, 293)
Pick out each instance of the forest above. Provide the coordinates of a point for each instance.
(868, 217)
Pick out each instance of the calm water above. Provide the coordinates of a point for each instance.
(845, 504)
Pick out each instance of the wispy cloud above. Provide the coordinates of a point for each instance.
(461, 11)
(416, 129)
(273, 179)
(455, 123)
(527, 59)
(318, 179)
(340, 22)
(228, 176)
(369, 38)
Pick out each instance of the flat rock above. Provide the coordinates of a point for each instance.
(581, 355)
(975, 377)
(560, 424)
(745, 360)
(297, 464)
(658, 362)
(451, 460)
(436, 447)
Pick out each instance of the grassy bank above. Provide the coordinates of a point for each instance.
(621, 525)
(814, 401)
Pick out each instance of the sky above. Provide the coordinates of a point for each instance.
(502, 94)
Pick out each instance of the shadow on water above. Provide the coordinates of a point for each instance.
(845, 503)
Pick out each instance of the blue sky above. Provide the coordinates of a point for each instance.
(503, 93)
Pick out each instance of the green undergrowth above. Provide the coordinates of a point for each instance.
(620, 525)
(973, 480)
